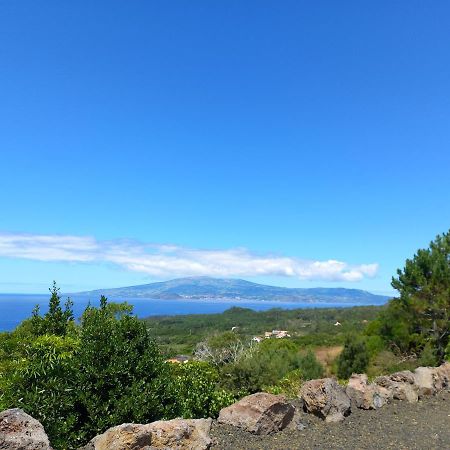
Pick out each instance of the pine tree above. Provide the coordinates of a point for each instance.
(353, 359)
(57, 319)
(424, 288)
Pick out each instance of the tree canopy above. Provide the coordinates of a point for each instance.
(421, 313)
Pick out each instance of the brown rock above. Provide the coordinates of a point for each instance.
(442, 377)
(176, 434)
(425, 378)
(401, 384)
(365, 395)
(405, 376)
(19, 431)
(128, 436)
(326, 399)
(181, 434)
(259, 413)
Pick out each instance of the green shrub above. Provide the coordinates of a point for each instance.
(268, 364)
(86, 379)
(289, 385)
(428, 356)
(120, 372)
(354, 358)
(194, 385)
(374, 345)
(43, 383)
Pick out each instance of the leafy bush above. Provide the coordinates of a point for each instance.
(120, 372)
(353, 359)
(386, 362)
(428, 356)
(42, 382)
(80, 380)
(194, 386)
(266, 365)
(289, 385)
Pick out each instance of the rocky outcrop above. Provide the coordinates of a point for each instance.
(128, 435)
(259, 413)
(402, 385)
(430, 380)
(442, 376)
(325, 398)
(19, 431)
(181, 434)
(425, 380)
(366, 396)
(176, 434)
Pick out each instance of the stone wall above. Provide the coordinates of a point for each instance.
(260, 413)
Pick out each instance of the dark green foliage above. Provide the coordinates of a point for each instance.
(80, 380)
(309, 367)
(267, 364)
(421, 314)
(120, 370)
(428, 356)
(57, 320)
(397, 328)
(42, 381)
(353, 359)
(308, 327)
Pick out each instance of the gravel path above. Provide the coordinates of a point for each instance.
(399, 425)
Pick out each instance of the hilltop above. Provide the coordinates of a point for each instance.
(230, 288)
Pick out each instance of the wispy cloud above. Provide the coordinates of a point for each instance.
(162, 260)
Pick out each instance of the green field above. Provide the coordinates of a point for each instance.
(308, 327)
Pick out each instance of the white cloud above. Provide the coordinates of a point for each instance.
(161, 260)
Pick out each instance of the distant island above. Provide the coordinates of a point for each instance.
(234, 289)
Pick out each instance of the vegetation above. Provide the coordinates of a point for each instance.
(80, 379)
(419, 319)
(268, 363)
(353, 359)
(307, 327)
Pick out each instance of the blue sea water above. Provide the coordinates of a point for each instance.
(16, 307)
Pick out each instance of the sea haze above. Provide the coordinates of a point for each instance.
(16, 307)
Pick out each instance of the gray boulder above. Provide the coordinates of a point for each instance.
(176, 434)
(326, 399)
(20, 431)
(259, 413)
(431, 380)
(401, 384)
(442, 376)
(366, 396)
(425, 378)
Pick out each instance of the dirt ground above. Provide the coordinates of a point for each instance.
(399, 425)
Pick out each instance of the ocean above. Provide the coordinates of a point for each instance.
(16, 307)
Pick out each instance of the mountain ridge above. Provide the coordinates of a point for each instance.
(238, 289)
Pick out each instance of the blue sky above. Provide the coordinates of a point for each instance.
(294, 143)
